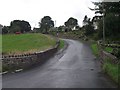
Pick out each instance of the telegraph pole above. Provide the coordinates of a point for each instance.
(55, 24)
(56, 29)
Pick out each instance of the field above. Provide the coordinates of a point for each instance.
(25, 43)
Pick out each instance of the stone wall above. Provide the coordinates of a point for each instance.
(15, 62)
(106, 56)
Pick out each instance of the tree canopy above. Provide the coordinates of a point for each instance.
(88, 26)
(1, 26)
(46, 23)
(20, 26)
(5, 29)
(111, 13)
(107, 7)
(86, 20)
(71, 22)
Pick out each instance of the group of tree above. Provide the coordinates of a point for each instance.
(5, 30)
(61, 28)
(47, 23)
(109, 12)
(17, 26)
(88, 26)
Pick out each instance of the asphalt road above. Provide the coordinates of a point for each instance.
(74, 67)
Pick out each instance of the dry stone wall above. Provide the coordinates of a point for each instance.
(105, 55)
(15, 62)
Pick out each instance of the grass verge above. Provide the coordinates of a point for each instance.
(112, 70)
(61, 44)
(94, 49)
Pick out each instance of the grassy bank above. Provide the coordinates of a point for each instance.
(95, 49)
(26, 43)
(61, 44)
(112, 70)
(109, 68)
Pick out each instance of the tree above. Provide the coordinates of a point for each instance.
(61, 28)
(85, 20)
(107, 7)
(45, 24)
(19, 26)
(89, 29)
(88, 26)
(78, 27)
(111, 13)
(111, 25)
(71, 23)
(5, 29)
(25, 26)
(1, 26)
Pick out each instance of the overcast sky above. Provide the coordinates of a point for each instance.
(33, 10)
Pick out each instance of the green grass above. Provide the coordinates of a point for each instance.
(26, 43)
(108, 49)
(111, 70)
(61, 44)
(94, 49)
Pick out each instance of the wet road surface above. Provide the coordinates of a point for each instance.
(74, 67)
